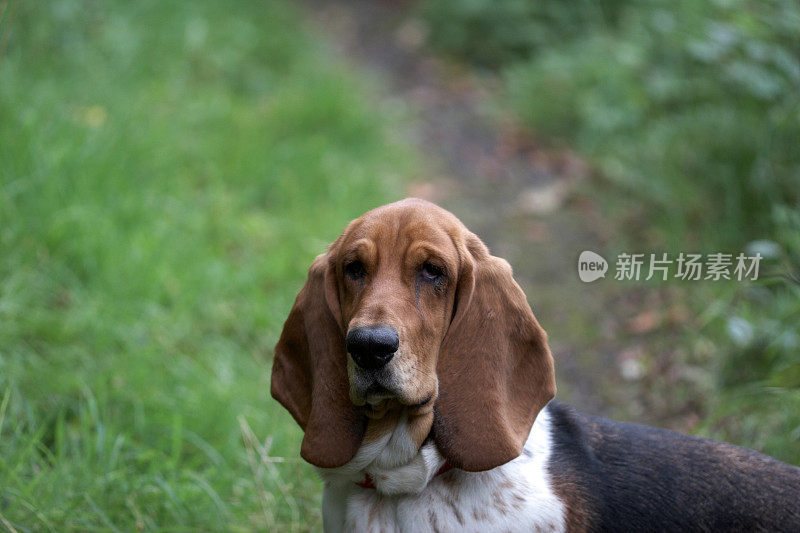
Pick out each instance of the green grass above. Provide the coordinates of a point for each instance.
(167, 173)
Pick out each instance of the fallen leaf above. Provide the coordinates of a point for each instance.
(644, 322)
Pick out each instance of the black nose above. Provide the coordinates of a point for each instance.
(372, 346)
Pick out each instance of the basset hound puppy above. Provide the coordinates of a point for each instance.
(413, 362)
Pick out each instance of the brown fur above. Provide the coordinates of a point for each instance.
(470, 345)
(580, 515)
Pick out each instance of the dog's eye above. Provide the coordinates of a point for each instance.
(355, 270)
(431, 272)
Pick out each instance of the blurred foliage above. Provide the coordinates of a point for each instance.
(167, 173)
(693, 110)
(493, 33)
(690, 112)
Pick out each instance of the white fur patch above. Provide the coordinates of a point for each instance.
(516, 496)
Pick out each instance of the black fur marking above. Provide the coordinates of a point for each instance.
(638, 478)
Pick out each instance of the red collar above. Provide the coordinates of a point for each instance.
(367, 483)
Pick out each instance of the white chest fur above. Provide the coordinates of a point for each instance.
(516, 496)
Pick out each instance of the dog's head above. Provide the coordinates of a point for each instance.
(408, 309)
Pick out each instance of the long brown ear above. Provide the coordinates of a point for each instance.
(495, 370)
(309, 373)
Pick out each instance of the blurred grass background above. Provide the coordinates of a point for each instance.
(168, 170)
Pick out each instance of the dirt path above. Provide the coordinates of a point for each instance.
(512, 192)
